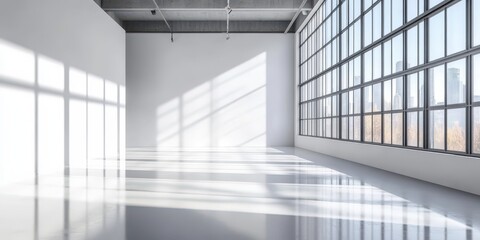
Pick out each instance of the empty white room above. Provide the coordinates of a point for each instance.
(239, 119)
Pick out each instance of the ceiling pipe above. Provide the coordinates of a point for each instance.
(164, 19)
(296, 16)
(228, 9)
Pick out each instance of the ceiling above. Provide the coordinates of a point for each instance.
(267, 16)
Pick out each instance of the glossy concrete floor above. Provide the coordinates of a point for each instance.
(233, 194)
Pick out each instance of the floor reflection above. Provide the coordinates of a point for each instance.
(231, 193)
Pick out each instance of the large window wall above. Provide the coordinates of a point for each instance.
(402, 73)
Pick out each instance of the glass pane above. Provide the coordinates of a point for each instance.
(476, 130)
(421, 89)
(377, 62)
(357, 77)
(437, 130)
(387, 58)
(357, 101)
(387, 96)
(476, 22)
(420, 129)
(368, 128)
(397, 92)
(367, 98)
(377, 97)
(344, 128)
(421, 43)
(437, 85)
(397, 128)
(412, 47)
(367, 62)
(412, 9)
(412, 85)
(387, 18)
(397, 14)
(387, 128)
(367, 35)
(456, 82)
(456, 23)
(357, 129)
(476, 78)
(397, 53)
(412, 129)
(436, 36)
(350, 128)
(377, 128)
(358, 35)
(377, 21)
(456, 130)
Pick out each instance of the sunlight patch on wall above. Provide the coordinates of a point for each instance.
(16, 63)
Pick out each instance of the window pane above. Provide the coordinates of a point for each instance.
(357, 101)
(456, 23)
(412, 85)
(357, 129)
(367, 35)
(456, 130)
(377, 21)
(397, 53)
(387, 96)
(412, 129)
(357, 77)
(367, 62)
(344, 128)
(476, 130)
(437, 130)
(377, 62)
(377, 128)
(421, 89)
(420, 129)
(367, 98)
(436, 36)
(456, 82)
(397, 128)
(387, 58)
(387, 128)
(387, 18)
(350, 128)
(397, 14)
(412, 47)
(368, 128)
(437, 85)
(476, 78)
(412, 9)
(397, 91)
(476, 22)
(377, 97)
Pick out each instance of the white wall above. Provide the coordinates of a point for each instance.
(62, 76)
(203, 90)
(448, 170)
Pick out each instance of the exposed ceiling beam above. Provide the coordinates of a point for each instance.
(296, 16)
(204, 4)
(205, 9)
(206, 26)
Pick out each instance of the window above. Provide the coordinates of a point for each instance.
(436, 35)
(414, 85)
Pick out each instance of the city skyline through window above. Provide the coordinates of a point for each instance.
(412, 81)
